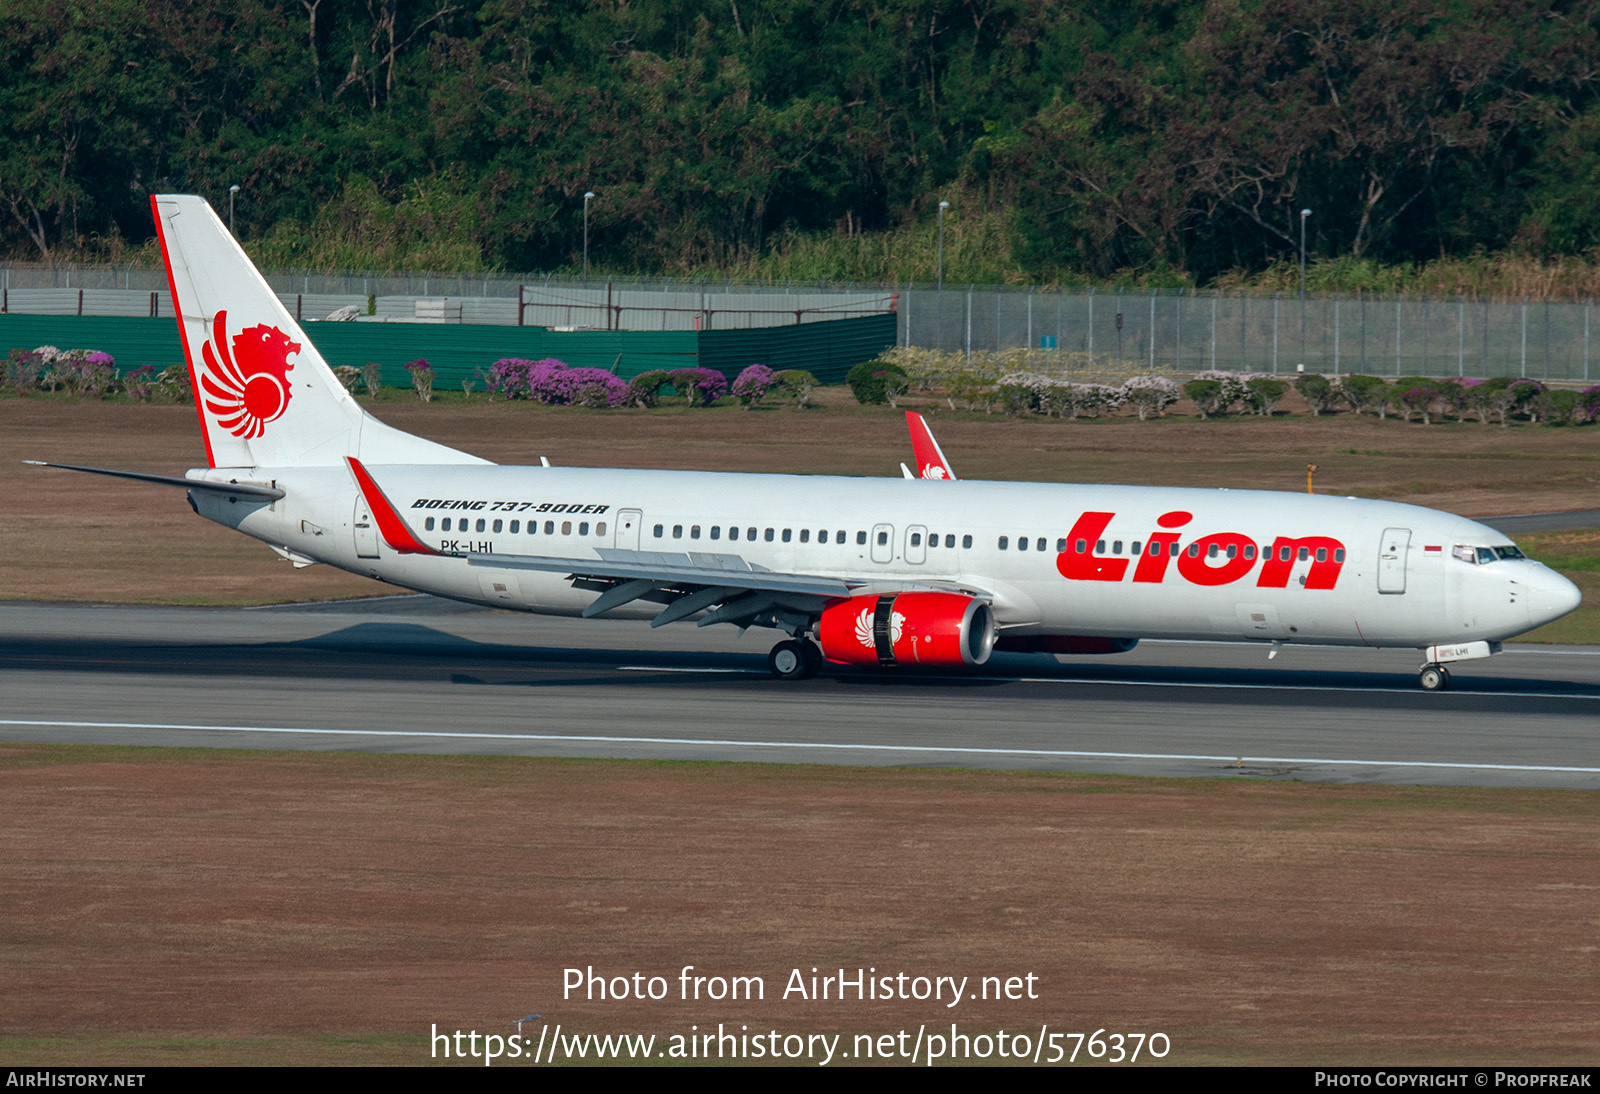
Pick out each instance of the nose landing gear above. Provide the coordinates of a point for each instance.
(795, 660)
(1434, 678)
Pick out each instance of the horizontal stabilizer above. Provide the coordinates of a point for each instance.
(233, 489)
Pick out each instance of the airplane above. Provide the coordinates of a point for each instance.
(878, 574)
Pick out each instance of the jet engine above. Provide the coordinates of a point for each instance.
(908, 629)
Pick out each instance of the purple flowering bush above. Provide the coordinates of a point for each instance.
(550, 381)
(752, 385)
(140, 384)
(83, 372)
(700, 386)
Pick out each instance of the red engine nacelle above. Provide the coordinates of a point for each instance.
(908, 629)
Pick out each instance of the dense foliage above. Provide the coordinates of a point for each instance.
(1171, 138)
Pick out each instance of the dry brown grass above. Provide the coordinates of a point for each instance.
(196, 906)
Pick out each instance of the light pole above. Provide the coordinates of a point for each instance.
(588, 196)
(232, 190)
(943, 205)
(1304, 213)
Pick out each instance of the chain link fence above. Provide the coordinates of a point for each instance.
(1334, 334)
(1544, 338)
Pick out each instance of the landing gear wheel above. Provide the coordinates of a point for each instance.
(812, 657)
(1434, 678)
(788, 660)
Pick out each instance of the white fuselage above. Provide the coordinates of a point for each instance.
(1115, 561)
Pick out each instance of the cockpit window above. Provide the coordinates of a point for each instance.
(1482, 556)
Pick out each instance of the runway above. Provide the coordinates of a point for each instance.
(415, 674)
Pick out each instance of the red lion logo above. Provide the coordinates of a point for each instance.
(248, 387)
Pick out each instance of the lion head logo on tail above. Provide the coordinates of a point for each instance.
(246, 385)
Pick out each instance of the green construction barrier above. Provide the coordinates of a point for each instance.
(459, 352)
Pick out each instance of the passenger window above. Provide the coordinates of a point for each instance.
(716, 531)
(566, 527)
(1079, 546)
(1232, 550)
(1211, 552)
(1061, 546)
(950, 541)
(1116, 546)
(1322, 554)
(583, 528)
(805, 535)
(733, 531)
(838, 537)
(769, 535)
(1172, 551)
(497, 525)
(822, 536)
(1039, 546)
(677, 531)
(1338, 555)
(883, 539)
(1099, 546)
(516, 526)
(966, 542)
(916, 539)
(1004, 541)
(658, 530)
(1134, 549)
(1249, 551)
(446, 525)
(427, 525)
(600, 529)
(861, 538)
(1022, 543)
(787, 534)
(750, 533)
(549, 527)
(1305, 553)
(1284, 554)
(1194, 550)
(694, 531)
(481, 524)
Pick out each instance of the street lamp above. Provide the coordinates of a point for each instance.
(943, 205)
(1304, 213)
(588, 196)
(232, 190)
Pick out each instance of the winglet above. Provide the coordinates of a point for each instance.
(931, 463)
(394, 530)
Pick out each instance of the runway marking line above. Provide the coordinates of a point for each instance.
(798, 745)
(1148, 683)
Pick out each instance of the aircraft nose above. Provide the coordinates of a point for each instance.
(1551, 596)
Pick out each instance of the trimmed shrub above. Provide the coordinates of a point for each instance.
(1263, 394)
(700, 386)
(1559, 406)
(644, 390)
(24, 370)
(1150, 394)
(174, 384)
(1317, 391)
(140, 384)
(796, 384)
(422, 377)
(1365, 393)
(752, 385)
(877, 382)
(1206, 396)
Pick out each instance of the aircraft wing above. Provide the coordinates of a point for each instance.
(690, 582)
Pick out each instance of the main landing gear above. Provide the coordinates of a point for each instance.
(795, 660)
(1434, 678)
